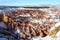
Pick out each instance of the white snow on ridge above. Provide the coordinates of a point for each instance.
(57, 24)
(58, 34)
(46, 38)
(52, 28)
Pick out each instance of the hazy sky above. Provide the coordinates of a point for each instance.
(28, 2)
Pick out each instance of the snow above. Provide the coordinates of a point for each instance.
(24, 15)
(37, 21)
(57, 24)
(58, 34)
(51, 20)
(36, 38)
(46, 38)
(52, 28)
(56, 20)
(44, 20)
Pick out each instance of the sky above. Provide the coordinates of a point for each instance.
(28, 2)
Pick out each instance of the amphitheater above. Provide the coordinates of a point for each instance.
(30, 23)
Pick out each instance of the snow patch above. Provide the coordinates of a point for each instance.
(57, 24)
